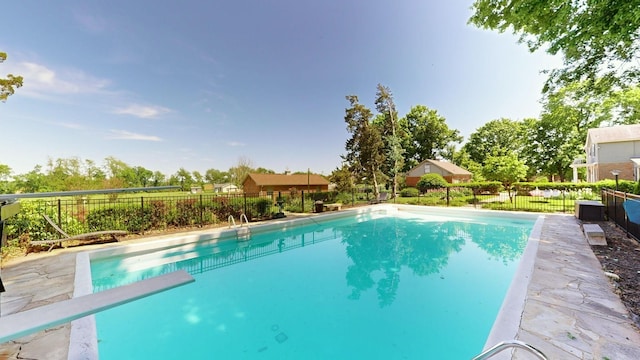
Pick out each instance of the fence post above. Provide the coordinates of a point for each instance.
(615, 207)
(59, 213)
(447, 196)
(626, 218)
(245, 202)
(474, 198)
(201, 212)
(353, 197)
(302, 201)
(563, 198)
(142, 212)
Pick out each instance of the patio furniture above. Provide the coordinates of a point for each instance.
(90, 236)
(382, 197)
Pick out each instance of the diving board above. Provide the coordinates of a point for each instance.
(23, 323)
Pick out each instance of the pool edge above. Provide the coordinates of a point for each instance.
(507, 323)
(83, 338)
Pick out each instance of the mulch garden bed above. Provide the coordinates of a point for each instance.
(621, 256)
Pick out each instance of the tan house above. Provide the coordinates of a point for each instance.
(225, 188)
(450, 172)
(611, 150)
(267, 184)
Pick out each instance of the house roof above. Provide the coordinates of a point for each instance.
(611, 134)
(290, 179)
(451, 168)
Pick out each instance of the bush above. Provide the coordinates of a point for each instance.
(431, 181)
(409, 192)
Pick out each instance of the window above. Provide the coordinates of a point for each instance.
(427, 169)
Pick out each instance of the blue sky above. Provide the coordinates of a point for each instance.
(201, 84)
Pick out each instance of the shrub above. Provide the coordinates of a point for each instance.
(409, 192)
(431, 181)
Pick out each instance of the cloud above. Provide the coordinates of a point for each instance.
(70, 125)
(91, 23)
(41, 81)
(142, 111)
(126, 135)
(235, 144)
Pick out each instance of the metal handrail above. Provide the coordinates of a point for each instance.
(510, 344)
(245, 219)
(231, 220)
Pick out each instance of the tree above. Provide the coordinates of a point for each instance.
(143, 176)
(388, 120)
(213, 176)
(430, 136)
(157, 178)
(551, 147)
(241, 170)
(198, 178)
(501, 135)
(343, 179)
(504, 167)
(365, 149)
(623, 106)
(463, 159)
(33, 181)
(5, 174)
(184, 179)
(595, 38)
(8, 84)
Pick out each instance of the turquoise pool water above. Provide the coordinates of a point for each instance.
(380, 286)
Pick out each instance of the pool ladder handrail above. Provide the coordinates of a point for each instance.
(231, 220)
(242, 233)
(499, 347)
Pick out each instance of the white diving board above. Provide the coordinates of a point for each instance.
(23, 323)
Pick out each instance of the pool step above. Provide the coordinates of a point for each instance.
(243, 233)
(594, 234)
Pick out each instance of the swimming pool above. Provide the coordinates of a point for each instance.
(380, 283)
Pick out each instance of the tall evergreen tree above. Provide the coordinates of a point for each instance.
(390, 131)
(365, 149)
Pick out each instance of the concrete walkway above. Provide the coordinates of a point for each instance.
(570, 310)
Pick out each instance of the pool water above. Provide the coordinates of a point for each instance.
(403, 286)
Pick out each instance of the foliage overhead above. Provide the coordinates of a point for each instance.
(8, 84)
(595, 38)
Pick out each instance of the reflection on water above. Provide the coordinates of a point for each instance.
(378, 249)
(424, 247)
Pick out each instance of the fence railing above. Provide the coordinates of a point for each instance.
(145, 212)
(615, 212)
(518, 199)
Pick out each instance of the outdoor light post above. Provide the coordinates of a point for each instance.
(616, 173)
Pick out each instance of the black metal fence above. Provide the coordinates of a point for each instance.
(615, 212)
(520, 198)
(146, 212)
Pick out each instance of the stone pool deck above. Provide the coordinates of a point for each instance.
(570, 310)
